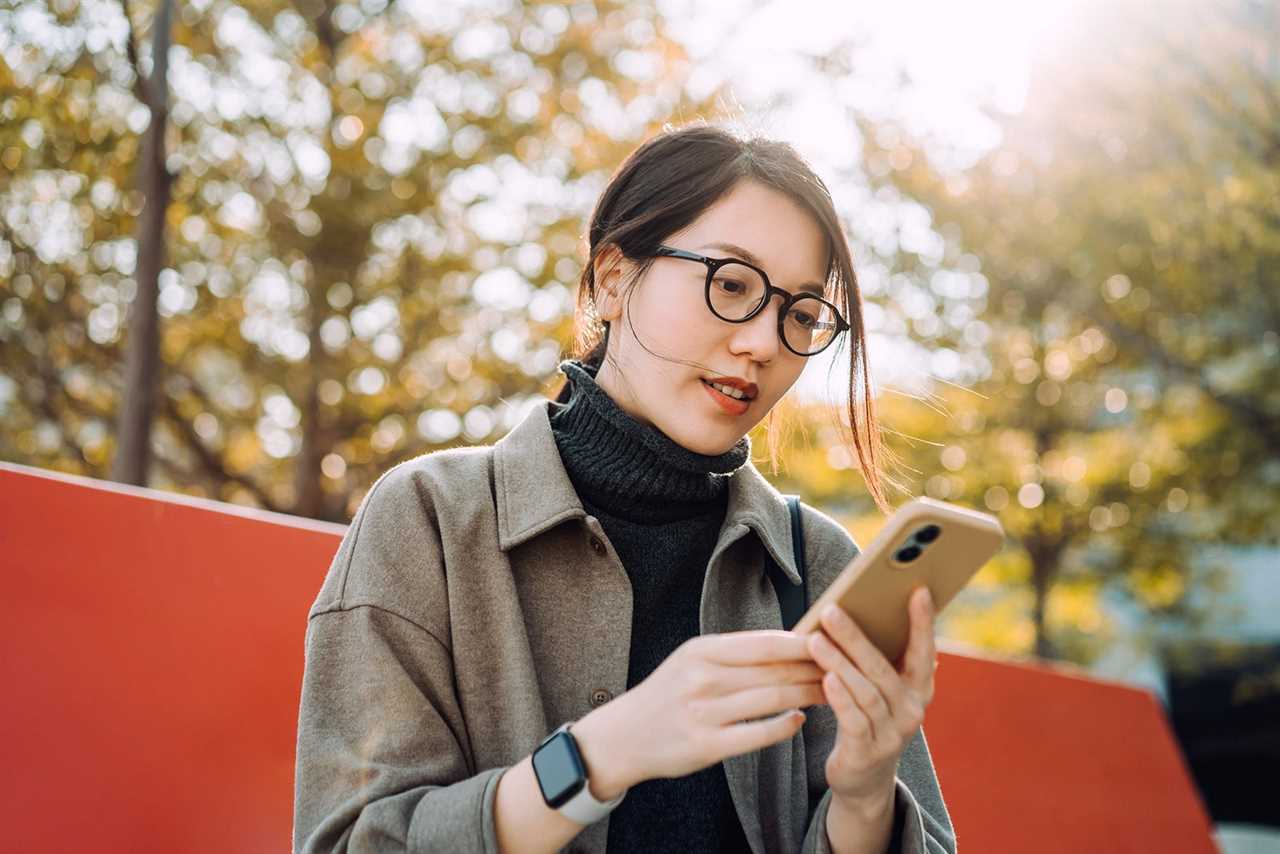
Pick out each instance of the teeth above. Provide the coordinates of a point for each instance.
(729, 390)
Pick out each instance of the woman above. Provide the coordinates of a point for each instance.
(602, 567)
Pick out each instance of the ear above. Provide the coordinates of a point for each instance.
(608, 272)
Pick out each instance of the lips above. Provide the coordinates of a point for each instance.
(748, 388)
(729, 405)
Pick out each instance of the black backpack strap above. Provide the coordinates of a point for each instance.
(791, 598)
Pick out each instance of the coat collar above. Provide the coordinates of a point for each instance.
(533, 493)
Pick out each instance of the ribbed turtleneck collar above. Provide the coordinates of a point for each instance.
(631, 469)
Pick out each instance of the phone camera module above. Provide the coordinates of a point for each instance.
(907, 554)
(928, 534)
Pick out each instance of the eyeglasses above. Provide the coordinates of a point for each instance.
(737, 291)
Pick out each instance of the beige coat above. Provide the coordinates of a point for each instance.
(473, 606)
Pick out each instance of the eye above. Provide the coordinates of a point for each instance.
(733, 287)
(804, 318)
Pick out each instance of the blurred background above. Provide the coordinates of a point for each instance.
(263, 251)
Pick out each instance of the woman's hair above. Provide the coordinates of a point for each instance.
(666, 184)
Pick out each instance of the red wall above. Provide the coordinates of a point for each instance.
(151, 658)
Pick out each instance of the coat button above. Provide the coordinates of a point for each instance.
(600, 696)
(597, 546)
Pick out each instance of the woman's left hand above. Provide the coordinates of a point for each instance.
(878, 707)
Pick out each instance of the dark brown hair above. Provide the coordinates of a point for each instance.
(666, 184)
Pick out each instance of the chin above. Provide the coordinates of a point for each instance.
(710, 448)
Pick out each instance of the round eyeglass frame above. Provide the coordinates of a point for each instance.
(770, 289)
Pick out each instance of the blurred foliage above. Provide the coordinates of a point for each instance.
(376, 233)
(1124, 238)
(374, 237)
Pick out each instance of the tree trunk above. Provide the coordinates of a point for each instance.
(1042, 571)
(142, 359)
(308, 489)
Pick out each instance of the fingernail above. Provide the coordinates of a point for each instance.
(928, 601)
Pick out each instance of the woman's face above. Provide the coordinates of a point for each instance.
(668, 313)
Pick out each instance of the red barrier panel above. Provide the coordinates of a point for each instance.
(152, 665)
(1046, 759)
(152, 661)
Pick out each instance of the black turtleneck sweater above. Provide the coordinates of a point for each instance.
(661, 506)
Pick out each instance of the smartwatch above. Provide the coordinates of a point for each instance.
(562, 777)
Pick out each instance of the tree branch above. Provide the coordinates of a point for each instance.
(1267, 425)
(46, 405)
(141, 83)
(209, 461)
(320, 14)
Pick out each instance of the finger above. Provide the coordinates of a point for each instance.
(859, 649)
(728, 679)
(921, 656)
(850, 717)
(758, 702)
(865, 694)
(754, 647)
(756, 735)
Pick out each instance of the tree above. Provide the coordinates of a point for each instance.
(1128, 231)
(375, 219)
(133, 454)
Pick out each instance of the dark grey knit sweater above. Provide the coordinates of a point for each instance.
(661, 505)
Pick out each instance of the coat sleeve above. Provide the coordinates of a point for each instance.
(921, 824)
(383, 759)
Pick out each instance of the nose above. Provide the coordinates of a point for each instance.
(759, 335)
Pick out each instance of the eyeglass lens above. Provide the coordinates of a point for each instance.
(737, 290)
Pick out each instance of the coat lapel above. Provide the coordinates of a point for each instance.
(531, 487)
(737, 595)
(533, 494)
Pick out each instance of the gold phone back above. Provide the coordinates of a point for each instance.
(877, 593)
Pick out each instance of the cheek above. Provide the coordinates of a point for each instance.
(677, 326)
(786, 384)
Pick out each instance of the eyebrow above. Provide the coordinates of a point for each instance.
(750, 258)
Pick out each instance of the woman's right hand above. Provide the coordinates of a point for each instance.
(690, 710)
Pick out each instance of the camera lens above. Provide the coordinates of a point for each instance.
(908, 554)
(928, 534)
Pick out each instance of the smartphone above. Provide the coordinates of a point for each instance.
(926, 542)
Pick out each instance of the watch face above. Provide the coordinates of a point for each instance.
(559, 770)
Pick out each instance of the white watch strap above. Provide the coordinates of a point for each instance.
(583, 807)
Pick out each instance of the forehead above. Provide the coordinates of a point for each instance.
(781, 236)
